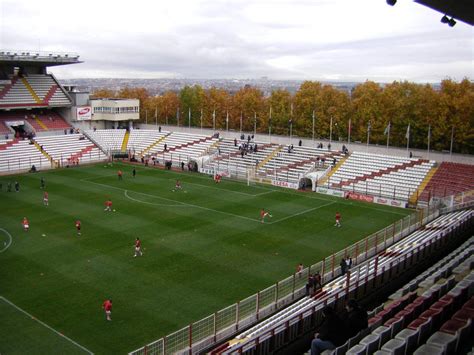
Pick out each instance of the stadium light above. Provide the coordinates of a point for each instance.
(451, 22)
(444, 19)
(391, 2)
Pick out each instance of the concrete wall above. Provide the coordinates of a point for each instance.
(285, 140)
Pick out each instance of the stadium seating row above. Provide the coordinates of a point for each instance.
(403, 254)
(33, 90)
(408, 321)
(381, 175)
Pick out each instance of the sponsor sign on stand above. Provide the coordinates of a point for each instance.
(289, 185)
(390, 202)
(360, 197)
(84, 113)
(324, 190)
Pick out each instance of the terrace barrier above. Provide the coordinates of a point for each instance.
(227, 322)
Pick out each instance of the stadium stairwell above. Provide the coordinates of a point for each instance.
(338, 165)
(414, 197)
(147, 149)
(49, 157)
(126, 137)
(269, 157)
(40, 123)
(32, 92)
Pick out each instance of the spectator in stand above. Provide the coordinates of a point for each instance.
(300, 143)
(159, 129)
(329, 146)
(182, 165)
(299, 269)
(331, 333)
(310, 285)
(343, 266)
(317, 282)
(348, 263)
(235, 142)
(166, 146)
(355, 318)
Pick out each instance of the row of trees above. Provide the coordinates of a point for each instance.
(435, 113)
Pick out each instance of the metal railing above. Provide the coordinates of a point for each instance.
(228, 321)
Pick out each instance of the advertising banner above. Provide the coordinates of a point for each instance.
(326, 191)
(359, 197)
(84, 113)
(289, 185)
(390, 202)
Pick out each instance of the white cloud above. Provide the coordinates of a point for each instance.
(300, 39)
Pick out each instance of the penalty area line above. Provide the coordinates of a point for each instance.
(45, 325)
(175, 201)
(303, 212)
(10, 240)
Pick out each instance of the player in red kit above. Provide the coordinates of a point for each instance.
(138, 248)
(78, 227)
(217, 178)
(119, 174)
(107, 306)
(108, 205)
(338, 220)
(26, 224)
(177, 186)
(45, 198)
(264, 214)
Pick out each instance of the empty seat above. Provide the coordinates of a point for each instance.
(428, 349)
(372, 342)
(358, 349)
(395, 346)
(410, 337)
(445, 341)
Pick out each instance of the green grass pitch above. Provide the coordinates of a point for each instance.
(204, 249)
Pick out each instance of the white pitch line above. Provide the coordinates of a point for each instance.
(175, 201)
(10, 239)
(303, 212)
(45, 325)
(150, 203)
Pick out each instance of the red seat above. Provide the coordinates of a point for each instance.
(435, 314)
(463, 315)
(452, 326)
(469, 305)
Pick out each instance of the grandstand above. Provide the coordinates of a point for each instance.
(427, 313)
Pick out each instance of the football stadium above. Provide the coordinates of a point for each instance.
(124, 233)
(241, 242)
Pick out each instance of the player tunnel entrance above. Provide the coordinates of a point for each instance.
(305, 183)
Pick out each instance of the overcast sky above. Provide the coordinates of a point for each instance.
(351, 40)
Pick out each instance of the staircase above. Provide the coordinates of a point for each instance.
(46, 155)
(322, 181)
(40, 123)
(201, 140)
(414, 197)
(32, 92)
(147, 149)
(126, 137)
(269, 157)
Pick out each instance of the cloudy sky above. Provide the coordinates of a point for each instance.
(351, 40)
